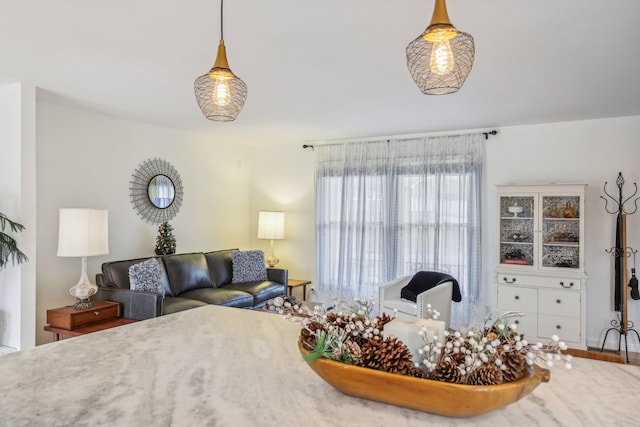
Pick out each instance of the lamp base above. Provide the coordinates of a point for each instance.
(84, 289)
(82, 304)
(272, 261)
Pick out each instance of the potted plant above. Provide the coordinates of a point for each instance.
(9, 250)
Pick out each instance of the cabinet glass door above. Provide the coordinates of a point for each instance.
(517, 226)
(561, 231)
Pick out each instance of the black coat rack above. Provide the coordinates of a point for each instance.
(623, 326)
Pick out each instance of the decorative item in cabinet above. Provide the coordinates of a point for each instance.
(561, 232)
(560, 257)
(519, 256)
(516, 225)
(561, 206)
(516, 207)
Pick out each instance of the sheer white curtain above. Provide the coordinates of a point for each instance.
(386, 209)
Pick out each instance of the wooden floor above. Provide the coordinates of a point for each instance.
(608, 356)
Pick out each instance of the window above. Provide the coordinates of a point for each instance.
(391, 208)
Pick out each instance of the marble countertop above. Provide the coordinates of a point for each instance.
(233, 367)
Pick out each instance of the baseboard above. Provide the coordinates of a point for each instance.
(612, 343)
(6, 350)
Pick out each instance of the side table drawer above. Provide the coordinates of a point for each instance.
(70, 318)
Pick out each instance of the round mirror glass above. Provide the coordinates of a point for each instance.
(161, 191)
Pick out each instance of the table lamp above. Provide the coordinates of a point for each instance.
(83, 233)
(271, 227)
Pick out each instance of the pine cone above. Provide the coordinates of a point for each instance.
(383, 320)
(390, 355)
(515, 366)
(352, 352)
(369, 357)
(416, 372)
(487, 374)
(458, 357)
(307, 335)
(397, 357)
(447, 371)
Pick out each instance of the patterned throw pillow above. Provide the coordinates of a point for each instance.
(146, 276)
(248, 266)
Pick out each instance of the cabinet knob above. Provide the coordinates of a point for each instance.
(509, 281)
(570, 285)
(517, 322)
(558, 301)
(558, 327)
(97, 313)
(517, 297)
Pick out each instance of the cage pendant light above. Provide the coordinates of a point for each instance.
(440, 58)
(220, 93)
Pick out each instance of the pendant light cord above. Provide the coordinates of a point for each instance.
(221, 22)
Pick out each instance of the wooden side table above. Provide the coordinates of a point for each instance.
(294, 283)
(71, 322)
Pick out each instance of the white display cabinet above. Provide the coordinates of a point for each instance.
(541, 260)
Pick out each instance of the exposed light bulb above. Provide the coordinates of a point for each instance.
(441, 61)
(221, 93)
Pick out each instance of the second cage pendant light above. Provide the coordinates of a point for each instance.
(440, 58)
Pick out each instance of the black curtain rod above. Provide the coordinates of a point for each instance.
(491, 132)
(486, 136)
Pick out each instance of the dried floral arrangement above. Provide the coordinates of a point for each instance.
(489, 355)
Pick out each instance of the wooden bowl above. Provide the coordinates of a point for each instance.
(435, 397)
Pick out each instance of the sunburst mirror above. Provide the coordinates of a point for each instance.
(156, 191)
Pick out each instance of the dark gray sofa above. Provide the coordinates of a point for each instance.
(189, 281)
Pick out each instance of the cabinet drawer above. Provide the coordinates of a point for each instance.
(567, 328)
(518, 299)
(543, 282)
(560, 303)
(527, 325)
(70, 318)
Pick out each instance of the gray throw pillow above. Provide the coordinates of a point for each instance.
(248, 266)
(146, 276)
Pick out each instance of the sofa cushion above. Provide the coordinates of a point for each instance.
(187, 272)
(116, 274)
(221, 296)
(262, 291)
(248, 266)
(146, 276)
(220, 266)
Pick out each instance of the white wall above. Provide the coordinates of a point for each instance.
(86, 159)
(590, 152)
(282, 179)
(17, 201)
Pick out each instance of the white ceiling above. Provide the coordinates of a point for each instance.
(326, 69)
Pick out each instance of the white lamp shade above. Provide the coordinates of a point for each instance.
(83, 232)
(271, 225)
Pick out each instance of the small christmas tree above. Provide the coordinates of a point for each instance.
(165, 242)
